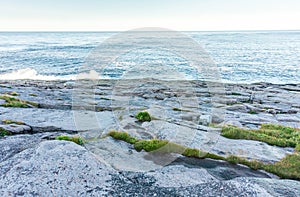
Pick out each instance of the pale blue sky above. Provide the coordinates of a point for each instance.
(101, 15)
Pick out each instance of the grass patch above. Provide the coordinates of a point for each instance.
(252, 112)
(253, 164)
(76, 139)
(149, 145)
(143, 116)
(180, 110)
(34, 95)
(4, 132)
(288, 167)
(15, 102)
(13, 93)
(122, 136)
(271, 134)
(236, 94)
(13, 122)
(107, 99)
(213, 125)
(176, 109)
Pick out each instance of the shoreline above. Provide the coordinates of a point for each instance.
(142, 79)
(183, 112)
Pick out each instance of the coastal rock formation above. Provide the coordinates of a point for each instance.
(59, 168)
(33, 163)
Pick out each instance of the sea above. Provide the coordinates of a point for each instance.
(238, 56)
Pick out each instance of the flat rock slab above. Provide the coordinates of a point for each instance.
(16, 129)
(33, 165)
(54, 168)
(44, 120)
(60, 168)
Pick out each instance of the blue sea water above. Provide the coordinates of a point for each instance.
(241, 57)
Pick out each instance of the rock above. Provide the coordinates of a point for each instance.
(249, 149)
(44, 168)
(216, 119)
(16, 129)
(37, 165)
(46, 120)
(287, 118)
(12, 145)
(239, 108)
(180, 176)
(193, 117)
(54, 168)
(205, 119)
(2, 101)
(231, 122)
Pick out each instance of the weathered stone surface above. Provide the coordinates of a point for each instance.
(16, 129)
(60, 168)
(180, 176)
(55, 120)
(30, 165)
(12, 145)
(54, 168)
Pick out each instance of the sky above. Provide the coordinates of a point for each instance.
(119, 15)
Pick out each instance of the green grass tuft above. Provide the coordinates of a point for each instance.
(271, 134)
(122, 136)
(15, 102)
(4, 132)
(149, 145)
(143, 116)
(288, 167)
(76, 139)
(191, 152)
(252, 112)
(13, 122)
(13, 94)
(180, 110)
(236, 94)
(176, 109)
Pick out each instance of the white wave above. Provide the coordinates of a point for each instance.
(92, 75)
(29, 73)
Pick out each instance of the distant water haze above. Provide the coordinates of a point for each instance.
(242, 57)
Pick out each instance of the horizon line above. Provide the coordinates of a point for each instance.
(95, 31)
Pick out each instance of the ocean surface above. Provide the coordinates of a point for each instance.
(241, 57)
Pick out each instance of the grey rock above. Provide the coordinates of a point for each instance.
(2, 102)
(45, 120)
(12, 145)
(180, 176)
(54, 168)
(205, 119)
(32, 166)
(249, 149)
(231, 122)
(239, 108)
(16, 129)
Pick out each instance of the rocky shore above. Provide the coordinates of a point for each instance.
(189, 113)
